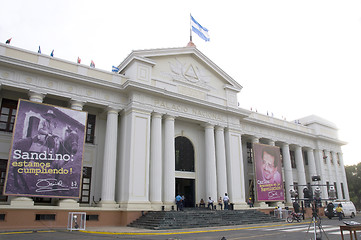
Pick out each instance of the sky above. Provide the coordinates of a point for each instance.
(293, 58)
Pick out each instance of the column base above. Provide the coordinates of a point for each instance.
(261, 204)
(108, 204)
(157, 206)
(136, 206)
(22, 202)
(238, 206)
(68, 203)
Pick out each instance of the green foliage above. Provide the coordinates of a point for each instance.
(353, 174)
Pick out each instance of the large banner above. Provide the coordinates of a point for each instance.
(46, 156)
(268, 169)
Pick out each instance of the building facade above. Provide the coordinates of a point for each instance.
(168, 122)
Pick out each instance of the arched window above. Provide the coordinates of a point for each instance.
(184, 154)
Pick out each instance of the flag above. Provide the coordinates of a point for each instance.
(92, 64)
(79, 60)
(52, 53)
(202, 32)
(115, 69)
(8, 41)
(39, 51)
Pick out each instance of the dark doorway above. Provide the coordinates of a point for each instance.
(184, 154)
(185, 187)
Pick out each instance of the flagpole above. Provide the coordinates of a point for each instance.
(190, 27)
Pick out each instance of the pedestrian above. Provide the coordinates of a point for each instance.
(250, 202)
(339, 211)
(178, 201)
(220, 202)
(210, 203)
(225, 201)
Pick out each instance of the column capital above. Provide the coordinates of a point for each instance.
(76, 104)
(157, 115)
(36, 96)
(219, 128)
(169, 117)
(112, 110)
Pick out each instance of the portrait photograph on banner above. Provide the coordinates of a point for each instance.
(268, 173)
(46, 156)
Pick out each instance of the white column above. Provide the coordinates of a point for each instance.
(221, 162)
(311, 165)
(169, 162)
(329, 168)
(109, 160)
(235, 171)
(300, 170)
(155, 177)
(321, 170)
(337, 177)
(210, 163)
(344, 179)
(288, 172)
(69, 202)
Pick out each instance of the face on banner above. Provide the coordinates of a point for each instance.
(46, 156)
(269, 182)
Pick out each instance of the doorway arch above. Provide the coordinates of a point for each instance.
(184, 162)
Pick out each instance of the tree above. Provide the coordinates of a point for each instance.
(353, 174)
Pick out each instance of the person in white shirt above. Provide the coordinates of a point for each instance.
(225, 201)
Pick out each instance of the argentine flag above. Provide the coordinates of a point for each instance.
(201, 31)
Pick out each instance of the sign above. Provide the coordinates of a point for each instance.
(46, 156)
(268, 169)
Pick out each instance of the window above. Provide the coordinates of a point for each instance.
(90, 129)
(3, 164)
(331, 159)
(335, 185)
(7, 115)
(324, 157)
(46, 217)
(293, 159)
(184, 154)
(249, 152)
(281, 157)
(86, 183)
(338, 159)
(343, 191)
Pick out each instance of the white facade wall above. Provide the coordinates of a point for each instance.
(157, 96)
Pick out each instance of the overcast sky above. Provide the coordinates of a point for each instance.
(293, 58)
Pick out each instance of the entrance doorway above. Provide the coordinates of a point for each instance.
(185, 187)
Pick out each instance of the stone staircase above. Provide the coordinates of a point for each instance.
(200, 217)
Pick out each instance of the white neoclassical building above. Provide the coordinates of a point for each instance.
(166, 123)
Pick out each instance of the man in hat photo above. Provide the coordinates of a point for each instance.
(45, 133)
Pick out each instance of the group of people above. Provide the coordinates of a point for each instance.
(221, 201)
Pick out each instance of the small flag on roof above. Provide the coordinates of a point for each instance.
(202, 32)
(92, 64)
(39, 51)
(79, 60)
(115, 69)
(52, 53)
(8, 41)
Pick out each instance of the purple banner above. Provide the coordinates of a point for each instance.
(268, 168)
(46, 157)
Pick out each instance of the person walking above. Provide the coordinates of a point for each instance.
(339, 211)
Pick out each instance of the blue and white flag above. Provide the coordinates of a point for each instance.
(201, 31)
(115, 69)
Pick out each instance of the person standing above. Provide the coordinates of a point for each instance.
(220, 202)
(210, 203)
(339, 211)
(225, 201)
(178, 201)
